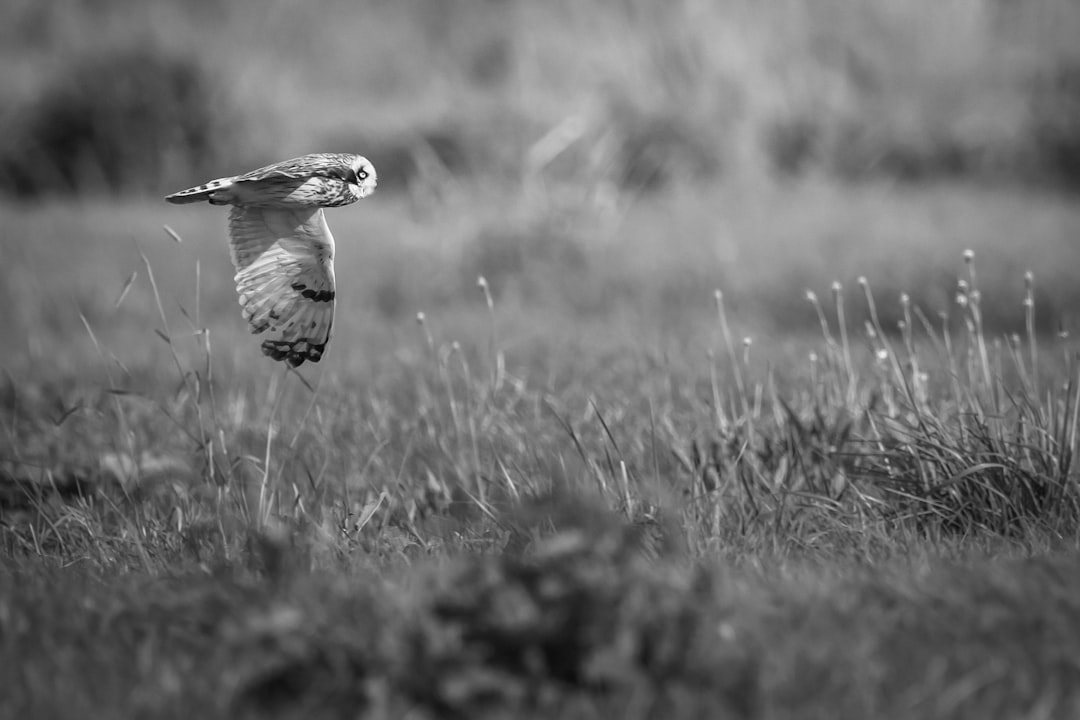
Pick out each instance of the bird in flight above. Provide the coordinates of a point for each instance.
(282, 248)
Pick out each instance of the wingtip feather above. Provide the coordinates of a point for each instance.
(183, 198)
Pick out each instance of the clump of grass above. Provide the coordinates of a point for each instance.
(942, 431)
(579, 612)
(995, 452)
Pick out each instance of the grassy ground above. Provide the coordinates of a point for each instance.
(722, 432)
(589, 497)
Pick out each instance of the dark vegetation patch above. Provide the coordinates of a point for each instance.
(1055, 122)
(126, 121)
(1041, 146)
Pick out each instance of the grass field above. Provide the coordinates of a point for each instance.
(578, 501)
(707, 440)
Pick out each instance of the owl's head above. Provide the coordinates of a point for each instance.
(362, 175)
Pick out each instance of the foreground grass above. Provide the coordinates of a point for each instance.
(578, 629)
(538, 502)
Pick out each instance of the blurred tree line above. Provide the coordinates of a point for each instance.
(672, 91)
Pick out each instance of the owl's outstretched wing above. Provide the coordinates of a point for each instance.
(285, 278)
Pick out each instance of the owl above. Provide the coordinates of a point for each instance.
(282, 248)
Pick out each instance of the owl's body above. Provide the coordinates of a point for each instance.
(319, 180)
(282, 248)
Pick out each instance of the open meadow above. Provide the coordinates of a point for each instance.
(713, 361)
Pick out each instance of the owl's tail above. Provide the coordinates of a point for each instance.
(212, 191)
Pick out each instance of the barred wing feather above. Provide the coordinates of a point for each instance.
(285, 278)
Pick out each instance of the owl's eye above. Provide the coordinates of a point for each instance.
(362, 174)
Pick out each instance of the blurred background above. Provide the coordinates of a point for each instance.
(605, 164)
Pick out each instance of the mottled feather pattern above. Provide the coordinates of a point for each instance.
(282, 248)
(294, 192)
(327, 165)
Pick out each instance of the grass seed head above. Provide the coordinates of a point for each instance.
(482, 283)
